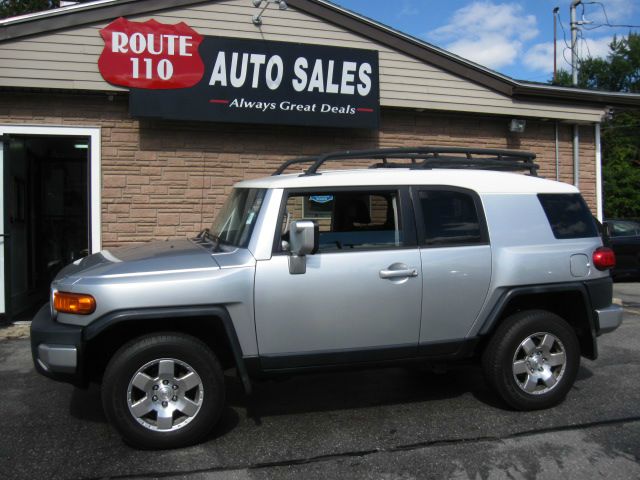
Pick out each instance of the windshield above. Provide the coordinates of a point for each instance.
(235, 222)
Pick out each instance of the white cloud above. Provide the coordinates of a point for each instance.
(408, 10)
(493, 51)
(540, 56)
(595, 47)
(487, 33)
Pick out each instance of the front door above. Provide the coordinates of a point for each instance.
(46, 214)
(360, 297)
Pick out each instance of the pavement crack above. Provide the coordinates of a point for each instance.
(364, 453)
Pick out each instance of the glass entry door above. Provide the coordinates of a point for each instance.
(46, 215)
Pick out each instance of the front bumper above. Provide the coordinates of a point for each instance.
(609, 318)
(56, 348)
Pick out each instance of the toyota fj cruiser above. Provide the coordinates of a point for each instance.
(431, 255)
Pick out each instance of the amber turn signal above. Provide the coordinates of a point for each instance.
(78, 303)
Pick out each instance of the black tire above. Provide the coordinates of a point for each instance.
(202, 396)
(505, 358)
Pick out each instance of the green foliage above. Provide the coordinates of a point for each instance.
(563, 79)
(619, 72)
(621, 165)
(11, 8)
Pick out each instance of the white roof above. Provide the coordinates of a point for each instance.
(481, 181)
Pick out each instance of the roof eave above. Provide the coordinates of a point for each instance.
(82, 14)
(596, 97)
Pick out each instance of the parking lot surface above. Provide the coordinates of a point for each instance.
(387, 424)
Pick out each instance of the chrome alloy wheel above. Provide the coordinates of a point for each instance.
(165, 394)
(539, 363)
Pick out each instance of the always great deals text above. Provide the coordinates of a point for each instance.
(287, 106)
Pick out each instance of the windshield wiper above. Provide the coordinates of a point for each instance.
(205, 234)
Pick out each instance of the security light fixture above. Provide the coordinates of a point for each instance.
(257, 19)
(517, 125)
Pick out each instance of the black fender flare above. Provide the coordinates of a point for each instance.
(110, 319)
(512, 293)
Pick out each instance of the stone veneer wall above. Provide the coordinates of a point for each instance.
(163, 179)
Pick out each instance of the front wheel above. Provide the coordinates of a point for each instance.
(532, 359)
(163, 391)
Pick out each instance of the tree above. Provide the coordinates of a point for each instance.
(11, 8)
(619, 72)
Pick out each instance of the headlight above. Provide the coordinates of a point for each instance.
(77, 303)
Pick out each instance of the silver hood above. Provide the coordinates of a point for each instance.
(157, 256)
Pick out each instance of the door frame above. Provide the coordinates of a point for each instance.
(95, 181)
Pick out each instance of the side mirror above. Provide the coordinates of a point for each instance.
(303, 238)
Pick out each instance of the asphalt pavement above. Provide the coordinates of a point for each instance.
(384, 424)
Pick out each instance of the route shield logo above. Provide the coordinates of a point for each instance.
(150, 55)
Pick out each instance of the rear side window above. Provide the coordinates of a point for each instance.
(450, 218)
(568, 215)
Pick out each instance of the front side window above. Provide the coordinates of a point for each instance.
(348, 220)
(235, 221)
(450, 218)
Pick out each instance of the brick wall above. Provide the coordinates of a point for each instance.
(164, 179)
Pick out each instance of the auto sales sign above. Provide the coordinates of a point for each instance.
(175, 73)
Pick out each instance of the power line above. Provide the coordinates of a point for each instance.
(564, 36)
(612, 25)
(586, 44)
(607, 23)
(604, 10)
(564, 33)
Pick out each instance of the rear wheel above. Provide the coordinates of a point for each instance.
(532, 359)
(163, 391)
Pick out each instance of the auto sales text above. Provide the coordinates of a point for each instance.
(322, 76)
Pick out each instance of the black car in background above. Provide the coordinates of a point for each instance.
(624, 239)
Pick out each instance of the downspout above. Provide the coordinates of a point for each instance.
(557, 155)
(576, 157)
(599, 212)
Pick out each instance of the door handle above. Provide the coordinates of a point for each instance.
(409, 272)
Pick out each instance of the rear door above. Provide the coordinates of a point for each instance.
(359, 299)
(456, 261)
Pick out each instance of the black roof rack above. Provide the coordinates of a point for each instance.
(426, 158)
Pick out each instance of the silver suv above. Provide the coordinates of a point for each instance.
(431, 256)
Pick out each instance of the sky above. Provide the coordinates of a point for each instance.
(514, 38)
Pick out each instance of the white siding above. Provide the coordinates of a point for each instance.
(68, 60)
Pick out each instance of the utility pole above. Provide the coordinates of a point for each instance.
(574, 82)
(555, 43)
(574, 42)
